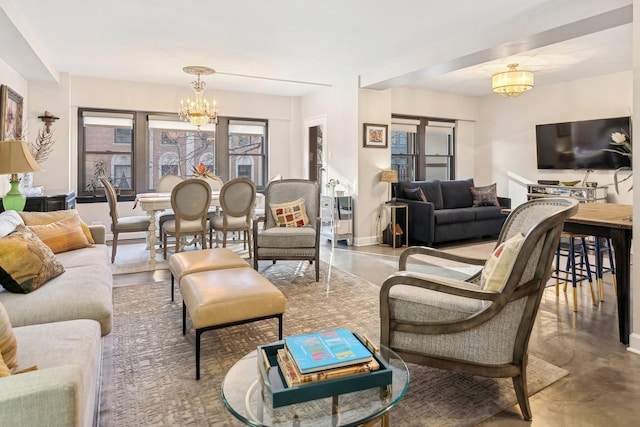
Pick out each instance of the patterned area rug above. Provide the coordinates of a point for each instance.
(149, 366)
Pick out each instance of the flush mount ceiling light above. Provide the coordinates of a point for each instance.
(513, 82)
(199, 111)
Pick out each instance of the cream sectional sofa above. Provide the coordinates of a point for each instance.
(58, 328)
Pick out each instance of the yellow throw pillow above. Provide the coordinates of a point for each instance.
(25, 262)
(8, 344)
(62, 236)
(4, 369)
(499, 264)
(43, 218)
(290, 214)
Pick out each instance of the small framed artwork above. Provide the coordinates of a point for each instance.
(10, 114)
(375, 136)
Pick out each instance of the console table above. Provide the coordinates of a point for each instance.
(337, 218)
(582, 194)
(51, 200)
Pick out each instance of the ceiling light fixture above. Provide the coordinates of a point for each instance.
(513, 82)
(199, 111)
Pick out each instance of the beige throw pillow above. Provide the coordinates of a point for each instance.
(43, 218)
(499, 264)
(8, 345)
(62, 236)
(290, 214)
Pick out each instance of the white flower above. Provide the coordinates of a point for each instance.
(618, 138)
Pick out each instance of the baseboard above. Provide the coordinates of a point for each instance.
(634, 343)
(365, 241)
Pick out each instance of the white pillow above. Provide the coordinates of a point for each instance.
(499, 264)
(9, 220)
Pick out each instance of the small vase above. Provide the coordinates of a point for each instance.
(26, 182)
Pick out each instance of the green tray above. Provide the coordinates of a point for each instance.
(281, 395)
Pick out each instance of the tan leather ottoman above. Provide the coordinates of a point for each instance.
(183, 263)
(221, 298)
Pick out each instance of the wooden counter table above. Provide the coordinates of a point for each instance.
(613, 221)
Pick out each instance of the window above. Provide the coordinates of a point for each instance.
(176, 147)
(107, 149)
(134, 149)
(422, 148)
(247, 150)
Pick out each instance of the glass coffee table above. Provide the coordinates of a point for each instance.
(242, 394)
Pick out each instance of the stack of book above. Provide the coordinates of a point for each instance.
(323, 356)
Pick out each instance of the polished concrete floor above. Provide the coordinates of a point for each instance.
(603, 385)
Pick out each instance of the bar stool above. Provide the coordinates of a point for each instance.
(567, 247)
(603, 245)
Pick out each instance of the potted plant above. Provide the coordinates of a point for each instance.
(99, 171)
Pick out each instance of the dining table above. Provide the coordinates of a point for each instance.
(152, 203)
(614, 221)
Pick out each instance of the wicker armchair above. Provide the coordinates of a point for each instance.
(464, 326)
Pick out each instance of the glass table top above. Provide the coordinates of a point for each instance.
(242, 394)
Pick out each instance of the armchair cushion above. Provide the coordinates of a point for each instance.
(287, 237)
(290, 214)
(498, 266)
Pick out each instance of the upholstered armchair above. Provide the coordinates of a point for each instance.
(294, 234)
(481, 325)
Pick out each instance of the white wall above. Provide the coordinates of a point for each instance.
(9, 77)
(505, 138)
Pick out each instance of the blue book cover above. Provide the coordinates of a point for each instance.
(326, 350)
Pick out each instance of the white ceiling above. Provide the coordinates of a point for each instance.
(294, 47)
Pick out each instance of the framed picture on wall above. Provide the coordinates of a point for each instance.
(375, 136)
(10, 114)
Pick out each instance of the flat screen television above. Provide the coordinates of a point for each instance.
(579, 145)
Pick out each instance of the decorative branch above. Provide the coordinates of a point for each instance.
(43, 146)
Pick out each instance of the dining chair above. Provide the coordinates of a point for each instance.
(125, 224)
(237, 199)
(165, 184)
(190, 202)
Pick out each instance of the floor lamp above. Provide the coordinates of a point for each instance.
(16, 158)
(390, 176)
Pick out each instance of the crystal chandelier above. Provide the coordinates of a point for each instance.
(512, 82)
(199, 111)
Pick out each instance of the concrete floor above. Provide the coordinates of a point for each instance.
(603, 385)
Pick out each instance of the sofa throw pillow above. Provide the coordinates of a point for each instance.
(8, 343)
(485, 196)
(4, 369)
(290, 214)
(499, 263)
(9, 220)
(62, 236)
(415, 194)
(42, 218)
(25, 262)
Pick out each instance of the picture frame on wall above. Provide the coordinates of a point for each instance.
(375, 136)
(11, 107)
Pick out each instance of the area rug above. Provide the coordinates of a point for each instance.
(149, 366)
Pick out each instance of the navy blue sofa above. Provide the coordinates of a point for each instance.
(449, 213)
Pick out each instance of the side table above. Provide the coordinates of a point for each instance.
(393, 207)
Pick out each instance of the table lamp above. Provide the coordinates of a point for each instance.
(390, 176)
(15, 158)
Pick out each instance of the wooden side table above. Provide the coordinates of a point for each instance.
(393, 207)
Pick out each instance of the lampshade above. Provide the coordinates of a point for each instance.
(15, 158)
(513, 82)
(389, 176)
